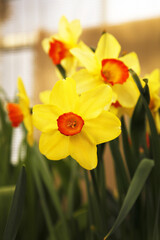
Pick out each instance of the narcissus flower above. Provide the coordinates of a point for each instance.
(119, 110)
(105, 67)
(44, 96)
(73, 124)
(15, 114)
(20, 112)
(58, 46)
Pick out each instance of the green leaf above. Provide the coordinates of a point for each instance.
(45, 176)
(16, 209)
(80, 217)
(127, 149)
(138, 129)
(121, 175)
(41, 192)
(6, 190)
(154, 134)
(135, 188)
(71, 189)
(156, 226)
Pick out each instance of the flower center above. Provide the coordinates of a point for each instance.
(114, 71)
(57, 51)
(15, 114)
(70, 124)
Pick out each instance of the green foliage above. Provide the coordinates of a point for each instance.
(45, 200)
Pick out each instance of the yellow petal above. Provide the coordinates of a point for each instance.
(76, 30)
(85, 81)
(69, 64)
(157, 120)
(28, 122)
(83, 151)
(45, 117)
(87, 58)
(44, 96)
(93, 102)
(46, 44)
(30, 139)
(23, 98)
(127, 93)
(64, 95)
(108, 47)
(154, 81)
(69, 32)
(104, 128)
(54, 146)
(131, 61)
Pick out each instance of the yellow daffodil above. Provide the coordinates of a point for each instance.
(21, 112)
(24, 103)
(58, 46)
(73, 124)
(44, 96)
(119, 111)
(154, 90)
(105, 67)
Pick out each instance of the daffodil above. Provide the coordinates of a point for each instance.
(20, 112)
(154, 90)
(15, 114)
(73, 124)
(105, 67)
(119, 111)
(44, 96)
(58, 46)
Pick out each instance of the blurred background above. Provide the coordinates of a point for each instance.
(24, 23)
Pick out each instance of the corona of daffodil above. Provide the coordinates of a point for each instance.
(58, 46)
(20, 112)
(105, 67)
(73, 124)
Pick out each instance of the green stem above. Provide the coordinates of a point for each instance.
(62, 70)
(91, 222)
(101, 223)
(95, 186)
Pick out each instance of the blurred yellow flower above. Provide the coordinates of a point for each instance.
(44, 96)
(15, 114)
(24, 103)
(58, 46)
(21, 112)
(73, 124)
(119, 111)
(104, 66)
(154, 90)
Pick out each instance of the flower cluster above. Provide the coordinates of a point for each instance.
(83, 109)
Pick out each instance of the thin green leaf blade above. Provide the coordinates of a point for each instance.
(154, 134)
(46, 178)
(121, 174)
(45, 208)
(138, 128)
(135, 188)
(127, 149)
(71, 190)
(16, 209)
